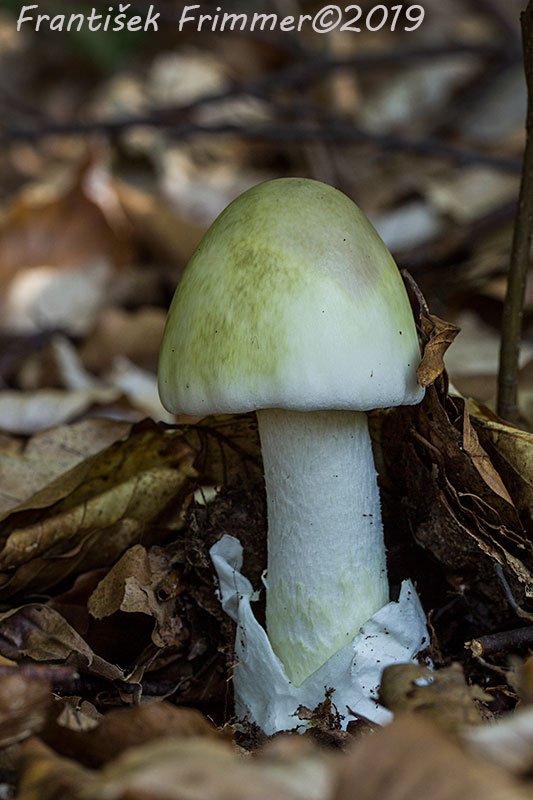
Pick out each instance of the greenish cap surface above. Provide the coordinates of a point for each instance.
(291, 300)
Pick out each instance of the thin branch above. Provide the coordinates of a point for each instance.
(291, 77)
(291, 133)
(513, 309)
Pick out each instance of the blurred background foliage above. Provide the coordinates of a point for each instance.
(119, 149)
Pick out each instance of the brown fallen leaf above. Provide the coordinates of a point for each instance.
(411, 759)
(27, 466)
(507, 742)
(120, 729)
(90, 515)
(135, 335)
(511, 450)
(38, 632)
(441, 695)
(62, 225)
(481, 460)
(47, 776)
(25, 704)
(132, 586)
(455, 503)
(198, 767)
(439, 336)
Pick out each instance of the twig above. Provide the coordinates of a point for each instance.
(291, 77)
(518, 610)
(513, 308)
(501, 642)
(288, 133)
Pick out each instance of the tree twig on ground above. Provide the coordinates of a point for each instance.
(514, 300)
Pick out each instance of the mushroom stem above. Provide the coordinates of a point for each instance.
(326, 558)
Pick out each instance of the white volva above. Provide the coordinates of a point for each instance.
(292, 306)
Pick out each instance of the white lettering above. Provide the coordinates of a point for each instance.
(41, 18)
(151, 20)
(263, 19)
(287, 24)
(72, 21)
(184, 18)
(22, 19)
(135, 24)
(57, 22)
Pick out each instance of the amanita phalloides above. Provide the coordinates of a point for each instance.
(292, 306)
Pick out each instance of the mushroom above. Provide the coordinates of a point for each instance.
(292, 306)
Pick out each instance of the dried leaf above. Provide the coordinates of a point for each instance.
(60, 226)
(507, 742)
(136, 335)
(119, 729)
(25, 704)
(176, 768)
(512, 451)
(88, 516)
(27, 467)
(411, 759)
(481, 461)
(442, 695)
(29, 412)
(47, 776)
(439, 335)
(77, 715)
(132, 586)
(38, 632)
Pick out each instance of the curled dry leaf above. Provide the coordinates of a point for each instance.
(76, 715)
(58, 249)
(443, 695)
(131, 586)
(67, 224)
(439, 336)
(88, 516)
(411, 759)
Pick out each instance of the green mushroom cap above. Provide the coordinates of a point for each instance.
(291, 300)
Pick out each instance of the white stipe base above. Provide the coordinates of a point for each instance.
(264, 694)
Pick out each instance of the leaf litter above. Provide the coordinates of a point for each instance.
(115, 657)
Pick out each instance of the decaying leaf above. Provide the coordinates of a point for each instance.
(25, 467)
(132, 586)
(88, 516)
(76, 715)
(25, 704)
(511, 449)
(411, 759)
(507, 742)
(119, 729)
(440, 335)
(174, 768)
(458, 505)
(42, 634)
(442, 695)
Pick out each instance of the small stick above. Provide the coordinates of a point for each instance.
(516, 286)
(502, 642)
